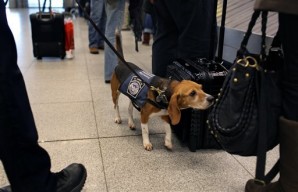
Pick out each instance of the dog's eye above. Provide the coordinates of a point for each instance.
(193, 93)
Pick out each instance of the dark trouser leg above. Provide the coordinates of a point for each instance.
(289, 30)
(183, 30)
(26, 164)
(288, 125)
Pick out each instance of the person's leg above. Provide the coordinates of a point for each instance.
(148, 29)
(114, 11)
(164, 48)
(102, 25)
(27, 165)
(97, 11)
(196, 23)
(289, 30)
(288, 181)
(184, 30)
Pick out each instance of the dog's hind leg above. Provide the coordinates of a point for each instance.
(131, 123)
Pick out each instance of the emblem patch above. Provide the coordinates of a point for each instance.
(135, 86)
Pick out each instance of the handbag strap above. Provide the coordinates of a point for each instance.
(253, 20)
(262, 136)
(262, 139)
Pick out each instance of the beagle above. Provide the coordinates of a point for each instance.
(148, 100)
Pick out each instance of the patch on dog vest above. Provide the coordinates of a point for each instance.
(135, 88)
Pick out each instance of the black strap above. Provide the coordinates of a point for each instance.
(222, 31)
(262, 124)
(251, 24)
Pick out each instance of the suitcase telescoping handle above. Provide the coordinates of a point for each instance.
(43, 8)
(221, 31)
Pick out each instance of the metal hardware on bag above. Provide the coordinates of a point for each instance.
(248, 62)
(235, 80)
(247, 75)
(259, 182)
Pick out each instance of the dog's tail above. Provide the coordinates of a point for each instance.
(119, 47)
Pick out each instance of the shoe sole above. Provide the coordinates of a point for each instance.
(82, 183)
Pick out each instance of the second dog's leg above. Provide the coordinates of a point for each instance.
(131, 123)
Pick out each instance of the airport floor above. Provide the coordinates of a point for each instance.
(74, 115)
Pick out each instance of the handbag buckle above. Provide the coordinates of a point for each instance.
(248, 61)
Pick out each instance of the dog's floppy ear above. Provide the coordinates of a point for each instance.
(173, 109)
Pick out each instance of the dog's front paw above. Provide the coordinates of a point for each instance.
(168, 145)
(148, 146)
(118, 120)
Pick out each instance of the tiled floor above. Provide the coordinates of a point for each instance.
(74, 116)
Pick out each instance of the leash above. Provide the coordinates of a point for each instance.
(161, 93)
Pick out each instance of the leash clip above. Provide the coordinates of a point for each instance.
(161, 97)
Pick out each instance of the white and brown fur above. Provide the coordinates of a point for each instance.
(184, 94)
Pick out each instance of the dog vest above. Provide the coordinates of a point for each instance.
(131, 85)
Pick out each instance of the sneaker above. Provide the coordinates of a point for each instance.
(69, 54)
(93, 50)
(5, 189)
(72, 178)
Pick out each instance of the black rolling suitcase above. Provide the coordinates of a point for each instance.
(48, 36)
(192, 129)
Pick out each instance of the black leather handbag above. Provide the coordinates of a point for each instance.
(244, 120)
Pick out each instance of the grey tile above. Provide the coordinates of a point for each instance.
(56, 70)
(101, 91)
(63, 153)
(64, 121)
(105, 120)
(250, 162)
(129, 167)
(95, 67)
(86, 152)
(46, 91)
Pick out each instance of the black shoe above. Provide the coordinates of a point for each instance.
(5, 189)
(107, 81)
(72, 178)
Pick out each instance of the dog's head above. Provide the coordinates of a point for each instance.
(187, 94)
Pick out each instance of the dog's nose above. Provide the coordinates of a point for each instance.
(210, 98)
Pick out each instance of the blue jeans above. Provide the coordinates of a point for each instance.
(98, 15)
(115, 12)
